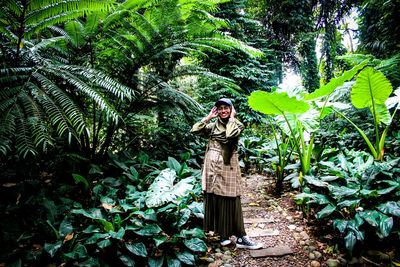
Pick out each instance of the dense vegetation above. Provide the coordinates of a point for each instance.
(97, 99)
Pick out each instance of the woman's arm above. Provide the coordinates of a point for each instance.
(202, 128)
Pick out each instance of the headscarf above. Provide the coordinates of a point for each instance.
(218, 133)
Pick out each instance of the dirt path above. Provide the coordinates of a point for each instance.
(278, 225)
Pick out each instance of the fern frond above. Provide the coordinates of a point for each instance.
(73, 114)
(7, 130)
(146, 26)
(23, 134)
(100, 79)
(227, 42)
(7, 103)
(75, 32)
(128, 43)
(89, 91)
(217, 22)
(92, 23)
(115, 18)
(133, 4)
(35, 120)
(47, 43)
(42, 10)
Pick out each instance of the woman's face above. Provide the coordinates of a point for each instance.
(224, 111)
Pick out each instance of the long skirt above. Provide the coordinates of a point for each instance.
(223, 215)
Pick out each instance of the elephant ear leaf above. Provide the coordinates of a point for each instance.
(371, 88)
(336, 82)
(163, 189)
(382, 114)
(276, 103)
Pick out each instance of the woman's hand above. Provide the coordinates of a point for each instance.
(233, 112)
(213, 114)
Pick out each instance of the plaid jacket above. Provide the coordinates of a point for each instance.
(218, 178)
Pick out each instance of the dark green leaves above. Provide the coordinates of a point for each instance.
(138, 249)
(149, 230)
(163, 189)
(325, 212)
(196, 244)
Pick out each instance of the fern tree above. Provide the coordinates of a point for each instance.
(36, 102)
(146, 51)
(54, 75)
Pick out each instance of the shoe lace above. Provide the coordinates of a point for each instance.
(247, 241)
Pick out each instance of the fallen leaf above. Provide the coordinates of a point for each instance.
(106, 206)
(68, 237)
(9, 184)
(37, 246)
(254, 204)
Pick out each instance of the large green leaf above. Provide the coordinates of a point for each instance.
(195, 232)
(173, 262)
(276, 103)
(79, 252)
(159, 240)
(336, 82)
(173, 164)
(156, 261)
(371, 217)
(104, 243)
(138, 249)
(94, 238)
(149, 230)
(163, 190)
(65, 228)
(341, 225)
(196, 244)
(385, 225)
(118, 235)
(80, 179)
(371, 87)
(390, 207)
(325, 212)
(52, 248)
(350, 240)
(382, 114)
(186, 257)
(128, 261)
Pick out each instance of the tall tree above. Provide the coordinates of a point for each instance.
(379, 30)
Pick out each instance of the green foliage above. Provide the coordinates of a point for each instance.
(111, 222)
(355, 192)
(379, 30)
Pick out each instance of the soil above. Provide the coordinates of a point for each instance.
(277, 221)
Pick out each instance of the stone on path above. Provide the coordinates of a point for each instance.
(271, 252)
(260, 232)
(258, 220)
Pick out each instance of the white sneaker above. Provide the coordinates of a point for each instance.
(244, 242)
(226, 242)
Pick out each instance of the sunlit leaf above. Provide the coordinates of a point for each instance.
(163, 189)
(372, 87)
(276, 103)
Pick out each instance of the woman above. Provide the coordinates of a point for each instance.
(221, 178)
